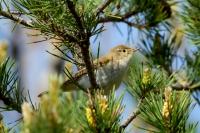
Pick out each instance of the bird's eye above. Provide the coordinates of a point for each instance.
(124, 50)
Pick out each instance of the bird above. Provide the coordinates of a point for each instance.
(109, 71)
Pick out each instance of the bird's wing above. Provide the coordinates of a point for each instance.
(96, 63)
(72, 84)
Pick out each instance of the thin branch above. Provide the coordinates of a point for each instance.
(72, 9)
(129, 14)
(130, 119)
(15, 18)
(120, 19)
(81, 34)
(84, 46)
(133, 115)
(88, 64)
(103, 6)
(110, 19)
(135, 25)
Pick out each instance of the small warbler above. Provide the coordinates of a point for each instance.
(109, 71)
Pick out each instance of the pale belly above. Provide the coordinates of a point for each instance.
(106, 77)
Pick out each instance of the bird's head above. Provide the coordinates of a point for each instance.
(122, 52)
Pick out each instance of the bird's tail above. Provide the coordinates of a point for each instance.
(42, 93)
(67, 86)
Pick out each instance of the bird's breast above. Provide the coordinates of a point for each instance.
(106, 76)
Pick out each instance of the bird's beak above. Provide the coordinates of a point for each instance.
(134, 50)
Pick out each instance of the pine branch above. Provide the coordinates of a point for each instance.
(130, 119)
(133, 115)
(131, 24)
(129, 14)
(71, 7)
(88, 64)
(123, 20)
(77, 18)
(15, 18)
(103, 6)
(84, 45)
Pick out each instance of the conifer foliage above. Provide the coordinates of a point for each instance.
(165, 92)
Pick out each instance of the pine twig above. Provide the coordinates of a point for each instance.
(135, 25)
(84, 45)
(133, 115)
(15, 18)
(119, 18)
(103, 6)
(88, 65)
(129, 14)
(72, 9)
(77, 18)
(130, 119)
(123, 20)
